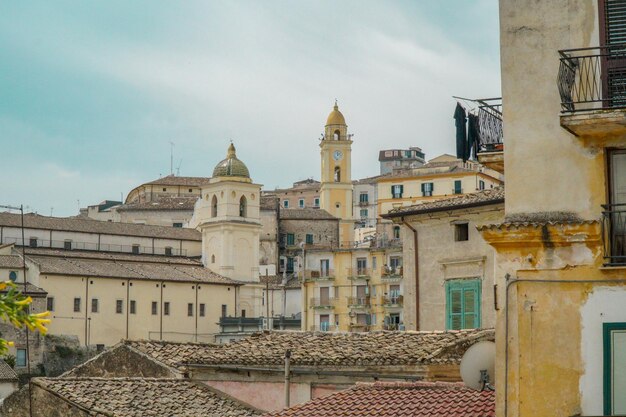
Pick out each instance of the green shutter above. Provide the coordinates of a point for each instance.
(462, 304)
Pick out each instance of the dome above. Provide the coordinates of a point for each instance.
(231, 166)
(335, 117)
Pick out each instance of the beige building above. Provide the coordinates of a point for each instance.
(450, 283)
(398, 159)
(303, 194)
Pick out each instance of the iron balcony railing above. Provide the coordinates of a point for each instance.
(592, 78)
(324, 327)
(490, 136)
(359, 327)
(322, 302)
(359, 273)
(392, 300)
(359, 301)
(388, 272)
(614, 233)
(324, 274)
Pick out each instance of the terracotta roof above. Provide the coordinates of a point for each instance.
(382, 348)
(163, 203)
(269, 202)
(399, 399)
(6, 372)
(170, 353)
(31, 289)
(112, 268)
(481, 198)
(73, 224)
(10, 261)
(182, 181)
(117, 256)
(139, 397)
(305, 214)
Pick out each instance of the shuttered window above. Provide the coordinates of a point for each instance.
(613, 34)
(462, 304)
(613, 13)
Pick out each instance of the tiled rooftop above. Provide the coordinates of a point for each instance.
(140, 397)
(10, 261)
(182, 181)
(116, 256)
(163, 203)
(398, 399)
(170, 353)
(115, 268)
(486, 197)
(382, 348)
(305, 214)
(74, 224)
(6, 372)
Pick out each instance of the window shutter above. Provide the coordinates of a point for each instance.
(423, 187)
(401, 189)
(614, 22)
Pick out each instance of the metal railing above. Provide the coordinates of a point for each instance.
(93, 246)
(392, 273)
(614, 233)
(592, 78)
(490, 134)
(359, 327)
(364, 203)
(359, 301)
(320, 275)
(324, 327)
(322, 302)
(392, 300)
(359, 273)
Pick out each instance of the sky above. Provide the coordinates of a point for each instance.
(92, 93)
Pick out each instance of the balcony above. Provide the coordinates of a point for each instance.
(391, 273)
(359, 327)
(322, 302)
(324, 275)
(324, 327)
(490, 137)
(364, 203)
(592, 86)
(359, 273)
(359, 302)
(396, 300)
(614, 234)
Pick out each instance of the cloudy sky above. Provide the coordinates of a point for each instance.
(91, 93)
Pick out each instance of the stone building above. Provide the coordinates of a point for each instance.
(450, 284)
(398, 159)
(303, 194)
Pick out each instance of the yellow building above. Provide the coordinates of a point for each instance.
(348, 286)
(561, 257)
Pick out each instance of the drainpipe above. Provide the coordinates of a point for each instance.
(161, 314)
(417, 274)
(287, 376)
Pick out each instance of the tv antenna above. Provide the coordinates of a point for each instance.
(178, 167)
(171, 158)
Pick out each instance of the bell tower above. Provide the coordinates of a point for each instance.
(336, 187)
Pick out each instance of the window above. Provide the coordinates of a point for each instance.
(462, 304)
(481, 184)
(133, 307)
(461, 232)
(224, 309)
(243, 206)
(457, 187)
(337, 174)
(94, 305)
(290, 264)
(76, 304)
(20, 357)
(309, 239)
(427, 189)
(243, 314)
(212, 259)
(617, 200)
(396, 232)
(190, 190)
(324, 267)
(363, 197)
(301, 203)
(286, 203)
(136, 249)
(324, 322)
(119, 306)
(316, 202)
(374, 262)
(395, 263)
(166, 308)
(13, 276)
(67, 245)
(214, 206)
(397, 191)
(177, 224)
(190, 309)
(364, 213)
(154, 308)
(202, 309)
(361, 266)
(168, 251)
(33, 242)
(614, 341)
(50, 303)
(291, 239)
(165, 189)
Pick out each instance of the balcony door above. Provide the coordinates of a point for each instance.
(612, 15)
(324, 267)
(617, 199)
(324, 296)
(361, 293)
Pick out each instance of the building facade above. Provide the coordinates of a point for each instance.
(398, 159)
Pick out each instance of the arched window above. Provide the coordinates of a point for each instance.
(337, 174)
(214, 207)
(212, 259)
(242, 206)
(336, 135)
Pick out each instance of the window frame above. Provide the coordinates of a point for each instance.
(464, 285)
(50, 303)
(189, 309)
(607, 329)
(202, 309)
(154, 308)
(95, 305)
(397, 191)
(301, 203)
(119, 306)
(291, 239)
(132, 308)
(77, 305)
(309, 239)
(166, 308)
(461, 230)
(18, 362)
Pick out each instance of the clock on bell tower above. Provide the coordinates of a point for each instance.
(336, 187)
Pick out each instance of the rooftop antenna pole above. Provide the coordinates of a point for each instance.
(171, 158)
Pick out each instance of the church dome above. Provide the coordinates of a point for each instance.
(231, 166)
(335, 117)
